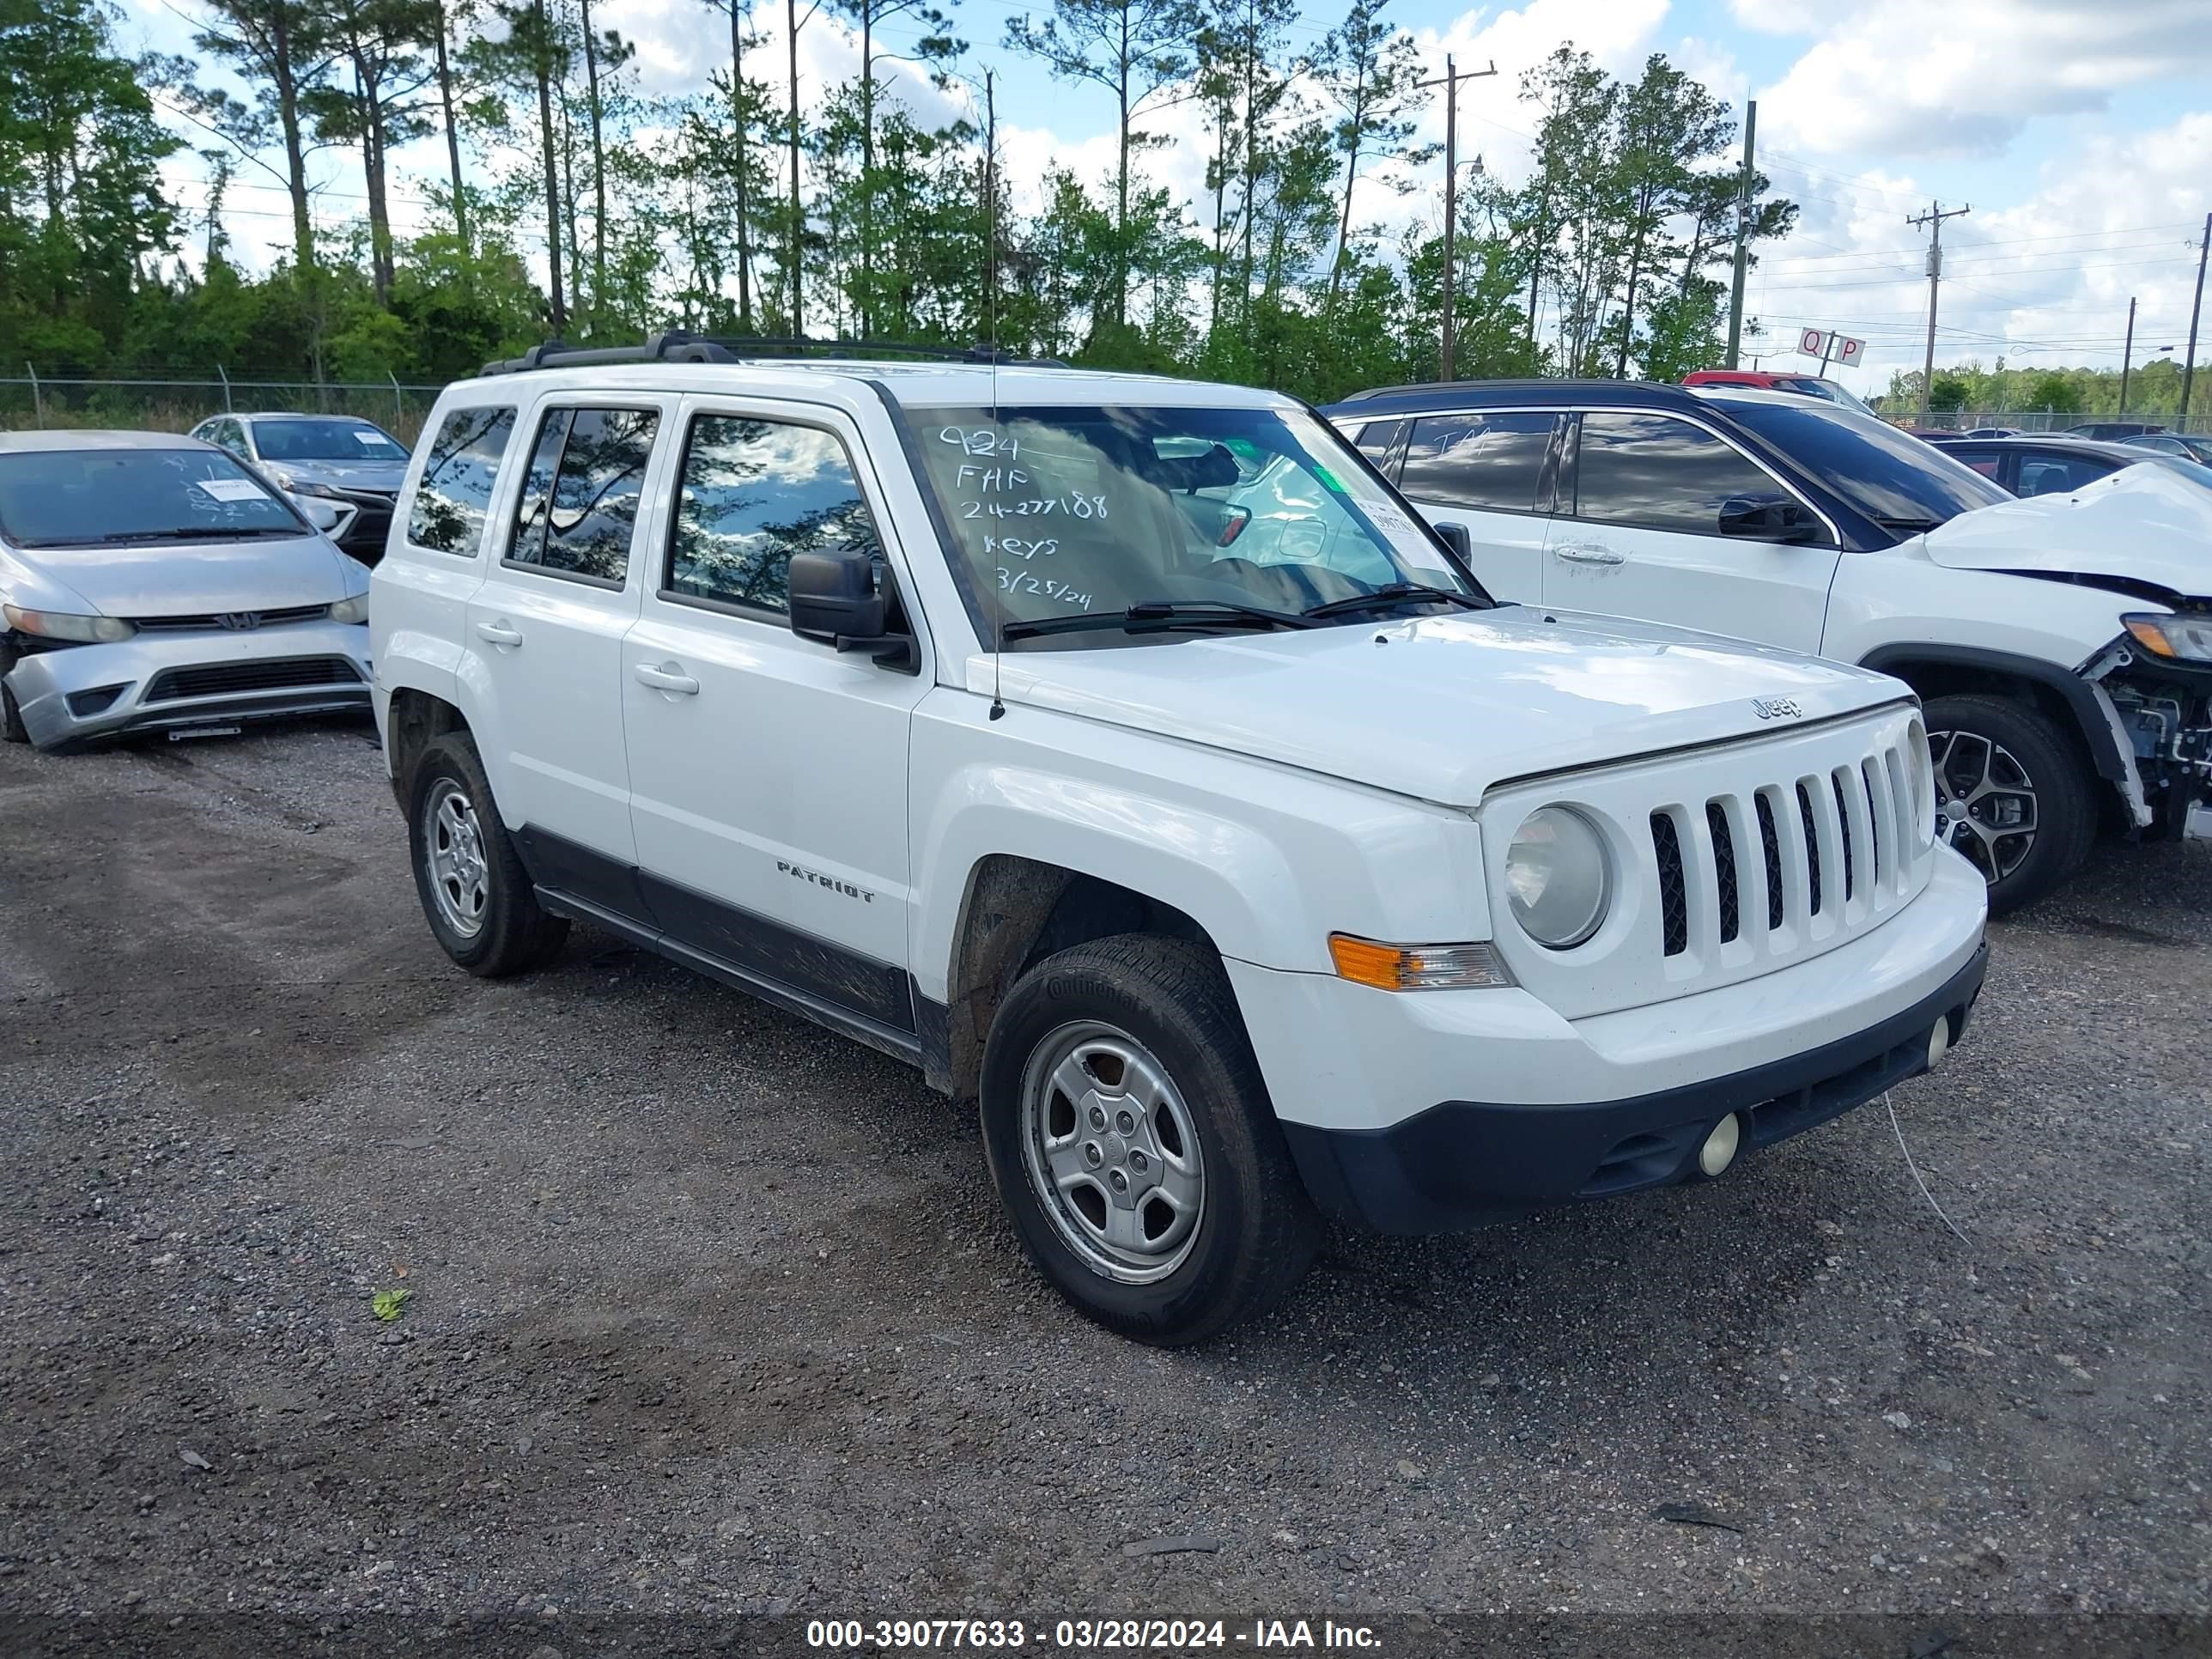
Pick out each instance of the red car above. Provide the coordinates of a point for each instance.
(1811, 385)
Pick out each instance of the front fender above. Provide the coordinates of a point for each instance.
(1269, 859)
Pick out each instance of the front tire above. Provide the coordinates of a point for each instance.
(475, 895)
(2011, 793)
(11, 717)
(1134, 1145)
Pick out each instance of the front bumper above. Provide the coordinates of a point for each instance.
(1465, 1162)
(177, 680)
(1537, 1109)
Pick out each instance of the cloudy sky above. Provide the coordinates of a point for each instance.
(2080, 134)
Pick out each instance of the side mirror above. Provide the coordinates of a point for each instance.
(1459, 543)
(328, 516)
(833, 599)
(1767, 521)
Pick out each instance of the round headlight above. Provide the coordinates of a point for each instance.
(1555, 875)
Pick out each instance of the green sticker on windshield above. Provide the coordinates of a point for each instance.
(1328, 477)
(1243, 448)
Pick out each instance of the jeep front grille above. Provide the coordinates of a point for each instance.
(1733, 861)
(1867, 800)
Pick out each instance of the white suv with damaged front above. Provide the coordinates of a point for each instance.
(1245, 873)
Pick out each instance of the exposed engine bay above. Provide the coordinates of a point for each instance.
(2165, 711)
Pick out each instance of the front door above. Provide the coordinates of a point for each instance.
(1658, 523)
(546, 634)
(768, 772)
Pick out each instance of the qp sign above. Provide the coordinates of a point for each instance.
(1849, 352)
(1811, 342)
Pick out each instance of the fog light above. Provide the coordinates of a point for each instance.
(1719, 1150)
(1939, 1043)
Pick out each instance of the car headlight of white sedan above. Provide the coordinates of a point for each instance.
(78, 630)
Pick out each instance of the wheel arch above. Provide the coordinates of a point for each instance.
(2072, 703)
(1015, 912)
(414, 718)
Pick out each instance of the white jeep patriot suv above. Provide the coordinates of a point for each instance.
(1122, 753)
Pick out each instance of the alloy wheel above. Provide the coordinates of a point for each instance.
(1985, 801)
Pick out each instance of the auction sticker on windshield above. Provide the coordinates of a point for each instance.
(230, 489)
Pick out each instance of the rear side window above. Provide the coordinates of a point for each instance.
(1658, 473)
(580, 503)
(2056, 475)
(1478, 460)
(754, 493)
(1375, 441)
(457, 476)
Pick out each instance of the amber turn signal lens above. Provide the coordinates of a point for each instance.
(1417, 967)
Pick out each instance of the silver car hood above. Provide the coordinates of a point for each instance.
(179, 579)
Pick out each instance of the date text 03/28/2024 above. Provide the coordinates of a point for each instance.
(1090, 1635)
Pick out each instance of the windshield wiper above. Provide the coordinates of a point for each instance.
(1396, 593)
(197, 532)
(1153, 616)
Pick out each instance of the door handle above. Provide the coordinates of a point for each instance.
(499, 633)
(1587, 553)
(666, 679)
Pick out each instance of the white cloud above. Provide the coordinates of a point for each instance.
(2045, 280)
(1964, 77)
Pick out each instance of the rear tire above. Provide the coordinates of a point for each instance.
(2012, 793)
(479, 899)
(1133, 1143)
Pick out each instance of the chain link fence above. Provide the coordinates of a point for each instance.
(34, 400)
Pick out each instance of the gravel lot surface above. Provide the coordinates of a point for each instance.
(712, 1313)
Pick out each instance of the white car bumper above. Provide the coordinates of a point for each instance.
(1423, 1111)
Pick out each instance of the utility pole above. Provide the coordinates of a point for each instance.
(1933, 219)
(2189, 363)
(2127, 356)
(1450, 82)
(1742, 235)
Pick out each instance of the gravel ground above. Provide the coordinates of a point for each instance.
(713, 1314)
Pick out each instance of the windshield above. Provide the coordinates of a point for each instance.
(1897, 480)
(92, 497)
(326, 440)
(1059, 512)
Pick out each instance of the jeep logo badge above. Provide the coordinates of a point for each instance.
(1776, 708)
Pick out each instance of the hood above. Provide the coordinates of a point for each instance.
(2144, 524)
(1443, 708)
(191, 579)
(382, 477)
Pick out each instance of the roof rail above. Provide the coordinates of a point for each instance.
(677, 345)
(1501, 380)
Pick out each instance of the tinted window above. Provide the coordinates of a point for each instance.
(1376, 439)
(580, 504)
(754, 493)
(1892, 476)
(2042, 473)
(457, 475)
(1478, 460)
(89, 497)
(321, 440)
(1660, 473)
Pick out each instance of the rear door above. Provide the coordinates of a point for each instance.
(768, 772)
(545, 633)
(1491, 470)
(1647, 495)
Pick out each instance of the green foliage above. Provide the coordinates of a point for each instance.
(1948, 392)
(573, 203)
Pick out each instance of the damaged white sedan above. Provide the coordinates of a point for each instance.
(150, 582)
